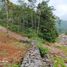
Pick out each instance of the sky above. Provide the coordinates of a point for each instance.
(61, 8)
(59, 5)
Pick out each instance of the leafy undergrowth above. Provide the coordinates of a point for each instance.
(58, 53)
(43, 50)
(11, 50)
(40, 45)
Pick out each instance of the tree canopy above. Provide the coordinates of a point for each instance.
(24, 18)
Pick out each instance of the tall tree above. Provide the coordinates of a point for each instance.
(32, 5)
(47, 22)
(7, 12)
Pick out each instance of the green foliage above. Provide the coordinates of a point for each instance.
(11, 65)
(23, 18)
(47, 24)
(43, 51)
(40, 44)
(58, 62)
(31, 33)
(16, 65)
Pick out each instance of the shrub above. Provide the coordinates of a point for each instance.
(43, 50)
(31, 33)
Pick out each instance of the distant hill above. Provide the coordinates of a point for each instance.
(61, 26)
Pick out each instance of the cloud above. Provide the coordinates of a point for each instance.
(14, 1)
(60, 6)
(61, 10)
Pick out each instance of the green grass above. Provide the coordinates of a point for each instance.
(64, 49)
(58, 62)
(15, 65)
(3, 53)
(43, 50)
(11, 65)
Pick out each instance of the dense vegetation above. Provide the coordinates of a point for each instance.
(29, 18)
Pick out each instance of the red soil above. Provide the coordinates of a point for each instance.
(11, 50)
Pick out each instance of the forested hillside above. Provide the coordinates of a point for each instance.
(29, 19)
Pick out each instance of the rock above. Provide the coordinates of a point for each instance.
(32, 58)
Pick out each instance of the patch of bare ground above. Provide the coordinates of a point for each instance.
(12, 49)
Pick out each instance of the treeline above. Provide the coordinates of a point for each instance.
(34, 20)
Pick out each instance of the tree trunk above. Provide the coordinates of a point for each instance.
(7, 12)
(38, 25)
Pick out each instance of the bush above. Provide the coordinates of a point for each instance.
(31, 33)
(43, 50)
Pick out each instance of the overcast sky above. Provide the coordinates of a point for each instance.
(60, 6)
